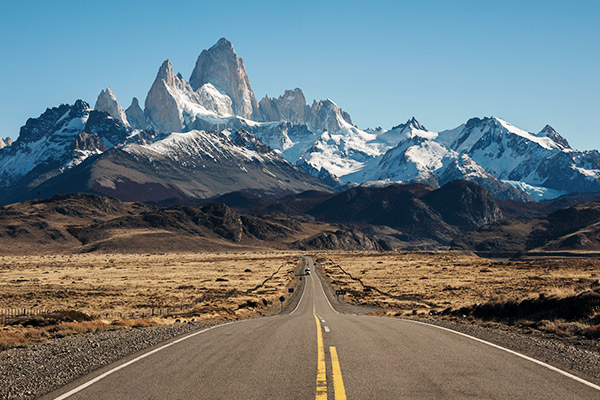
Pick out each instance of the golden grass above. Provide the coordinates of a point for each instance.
(426, 281)
(13, 339)
(124, 290)
(99, 284)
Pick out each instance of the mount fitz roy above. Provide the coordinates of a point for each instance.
(208, 136)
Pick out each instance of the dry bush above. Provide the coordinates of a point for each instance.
(92, 290)
(593, 331)
(17, 336)
(129, 286)
(12, 339)
(71, 328)
(571, 308)
(133, 323)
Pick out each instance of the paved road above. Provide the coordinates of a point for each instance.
(316, 353)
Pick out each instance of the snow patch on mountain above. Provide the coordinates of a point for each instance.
(413, 160)
(466, 137)
(549, 132)
(322, 135)
(412, 128)
(537, 193)
(195, 148)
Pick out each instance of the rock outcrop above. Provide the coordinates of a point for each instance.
(135, 115)
(549, 132)
(291, 107)
(341, 240)
(322, 116)
(107, 102)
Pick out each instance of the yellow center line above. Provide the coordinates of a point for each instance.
(321, 393)
(338, 382)
(321, 371)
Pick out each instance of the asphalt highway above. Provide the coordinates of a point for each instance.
(314, 352)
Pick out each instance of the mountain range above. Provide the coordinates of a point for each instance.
(209, 135)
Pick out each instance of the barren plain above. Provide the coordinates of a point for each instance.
(554, 295)
(136, 289)
(116, 290)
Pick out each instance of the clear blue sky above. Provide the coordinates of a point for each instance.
(529, 62)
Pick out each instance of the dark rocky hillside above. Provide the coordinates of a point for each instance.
(570, 229)
(87, 222)
(464, 204)
(342, 240)
(417, 211)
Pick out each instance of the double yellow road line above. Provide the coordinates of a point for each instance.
(338, 383)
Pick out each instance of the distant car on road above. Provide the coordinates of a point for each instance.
(307, 271)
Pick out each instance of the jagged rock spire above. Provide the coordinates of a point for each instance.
(135, 115)
(221, 67)
(107, 102)
(549, 132)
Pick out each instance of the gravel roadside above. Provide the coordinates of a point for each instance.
(30, 372)
(578, 356)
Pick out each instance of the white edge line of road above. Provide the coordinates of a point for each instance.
(323, 290)
(299, 301)
(128, 363)
(533, 360)
(117, 368)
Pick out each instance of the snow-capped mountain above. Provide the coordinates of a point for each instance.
(193, 134)
(77, 149)
(172, 105)
(212, 130)
(544, 161)
(60, 138)
(490, 151)
(329, 139)
(184, 165)
(418, 157)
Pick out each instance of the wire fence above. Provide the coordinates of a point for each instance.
(9, 314)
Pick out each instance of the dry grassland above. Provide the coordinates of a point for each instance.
(424, 283)
(142, 289)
